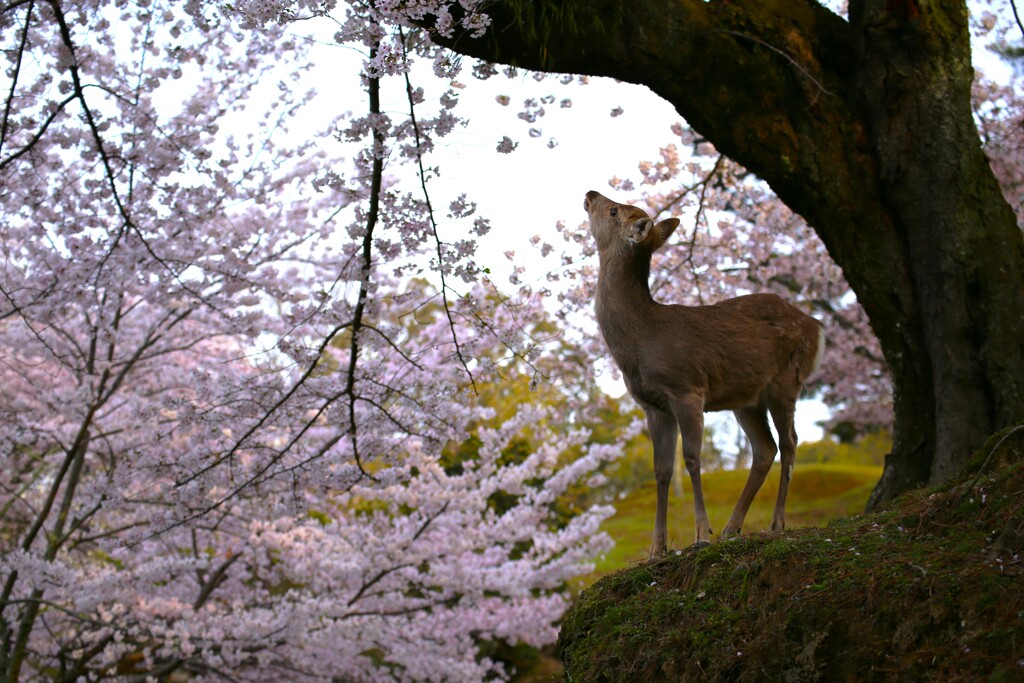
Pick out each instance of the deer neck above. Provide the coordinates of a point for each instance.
(623, 301)
(625, 279)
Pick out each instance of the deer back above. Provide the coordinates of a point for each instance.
(730, 353)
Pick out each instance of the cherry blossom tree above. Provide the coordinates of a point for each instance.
(227, 407)
(243, 439)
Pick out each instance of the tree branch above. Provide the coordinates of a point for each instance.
(430, 215)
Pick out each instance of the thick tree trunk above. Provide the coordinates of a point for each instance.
(864, 127)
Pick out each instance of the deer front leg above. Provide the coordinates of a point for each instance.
(754, 422)
(663, 435)
(690, 415)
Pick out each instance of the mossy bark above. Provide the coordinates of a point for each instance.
(863, 126)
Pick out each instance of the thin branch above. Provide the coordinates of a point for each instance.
(376, 186)
(803, 70)
(1016, 16)
(14, 76)
(80, 669)
(384, 572)
(273, 409)
(109, 533)
(402, 612)
(213, 581)
(696, 224)
(394, 346)
(430, 214)
(984, 465)
(702, 185)
(78, 90)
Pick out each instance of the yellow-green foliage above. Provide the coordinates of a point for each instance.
(818, 494)
(869, 449)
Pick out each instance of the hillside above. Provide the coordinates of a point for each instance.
(818, 494)
(928, 589)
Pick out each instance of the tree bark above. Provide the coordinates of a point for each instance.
(864, 127)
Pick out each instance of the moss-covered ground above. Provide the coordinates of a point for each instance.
(818, 494)
(929, 589)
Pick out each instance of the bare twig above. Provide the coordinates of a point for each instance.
(433, 222)
(800, 67)
(992, 452)
(701, 185)
(1016, 16)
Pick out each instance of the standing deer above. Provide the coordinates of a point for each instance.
(750, 355)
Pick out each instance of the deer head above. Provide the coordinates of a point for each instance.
(625, 227)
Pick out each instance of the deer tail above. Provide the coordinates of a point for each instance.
(819, 353)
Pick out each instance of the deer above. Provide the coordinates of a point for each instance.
(750, 354)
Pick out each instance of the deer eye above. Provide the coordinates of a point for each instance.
(614, 211)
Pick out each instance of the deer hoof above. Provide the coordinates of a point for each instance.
(701, 544)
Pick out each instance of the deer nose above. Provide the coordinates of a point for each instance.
(593, 195)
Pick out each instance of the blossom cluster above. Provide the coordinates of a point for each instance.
(235, 426)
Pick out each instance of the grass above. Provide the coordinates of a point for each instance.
(817, 495)
(928, 589)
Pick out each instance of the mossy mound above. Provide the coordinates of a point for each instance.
(929, 589)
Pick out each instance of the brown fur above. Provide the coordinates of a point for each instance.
(750, 354)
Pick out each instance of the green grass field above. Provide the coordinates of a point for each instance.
(818, 493)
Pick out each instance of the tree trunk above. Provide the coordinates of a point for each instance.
(864, 127)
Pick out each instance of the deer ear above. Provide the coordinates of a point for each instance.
(667, 227)
(662, 231)
(639, 229)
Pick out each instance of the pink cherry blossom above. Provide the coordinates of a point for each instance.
(229, 409)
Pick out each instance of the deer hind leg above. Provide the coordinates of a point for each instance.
(663, 435)
(754, 422)
(690, 414)
(782, 416)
